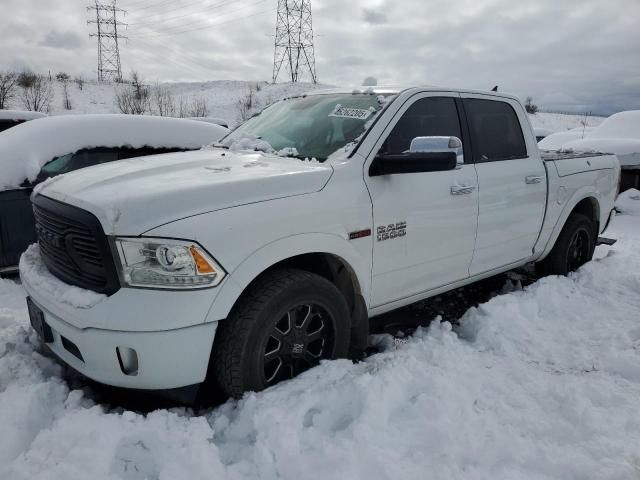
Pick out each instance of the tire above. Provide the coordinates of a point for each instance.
(284, 324)
(574, 247)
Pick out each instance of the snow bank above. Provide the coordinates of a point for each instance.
(541, 383)
(20, 115)
(34, 272)
(26, 148)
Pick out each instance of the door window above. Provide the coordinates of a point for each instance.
(495, 130)
(427, 117)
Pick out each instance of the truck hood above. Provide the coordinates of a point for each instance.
(130, 197)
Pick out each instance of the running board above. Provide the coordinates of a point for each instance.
(606, 241)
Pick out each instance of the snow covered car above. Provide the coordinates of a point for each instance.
(555, 141)
(247, 264)
(216, 121)
(541, 133)
(618, 134)
(32, 152)
(12, 118)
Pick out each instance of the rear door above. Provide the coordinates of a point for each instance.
(512, 182)
(425, 228)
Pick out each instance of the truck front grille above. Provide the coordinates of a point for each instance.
(74, 247)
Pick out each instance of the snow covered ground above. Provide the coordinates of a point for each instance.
(221, 96)
(222, 99)
(540, 383)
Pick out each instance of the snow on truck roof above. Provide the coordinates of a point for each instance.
(24, 149)
(19, 115)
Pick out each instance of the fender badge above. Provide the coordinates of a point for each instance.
(360, 234)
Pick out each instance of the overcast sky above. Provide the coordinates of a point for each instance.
(569, 55)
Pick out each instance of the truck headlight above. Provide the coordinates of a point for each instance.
(164, 263)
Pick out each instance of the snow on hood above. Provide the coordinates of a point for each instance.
(24, 149)
(132, 196)
(20, 115)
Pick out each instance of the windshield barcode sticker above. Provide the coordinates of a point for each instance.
(346, 112)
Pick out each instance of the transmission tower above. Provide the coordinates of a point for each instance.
(106, 20)
(294, 40)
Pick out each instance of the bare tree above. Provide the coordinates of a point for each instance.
(182, 108)
(530, 107)
(63, 77)
(26, 79)
(66, 103)
(37, 95)
(8, 84)
(198, 108)
(133, 99)
(79, 82)
(246, 105)
(164, 104)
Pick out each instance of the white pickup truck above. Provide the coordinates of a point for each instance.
(247, 263)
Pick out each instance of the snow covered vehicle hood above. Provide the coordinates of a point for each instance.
(130, 197)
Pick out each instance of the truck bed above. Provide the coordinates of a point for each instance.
(570, 163)
(559, 155)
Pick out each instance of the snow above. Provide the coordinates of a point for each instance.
(556, 141)
(618, 134)
(539, 383)
(34, 272)
(20, 115)
(24, 149)
(559, 122)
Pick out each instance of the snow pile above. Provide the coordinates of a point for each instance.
(537, 383)
(20, 115)
(26, 148)
(34, 272)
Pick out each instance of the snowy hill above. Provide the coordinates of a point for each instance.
(222, 99)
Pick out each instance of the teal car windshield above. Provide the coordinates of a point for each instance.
(315, 126)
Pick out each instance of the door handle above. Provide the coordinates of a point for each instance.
(462, 189)
(533, 179)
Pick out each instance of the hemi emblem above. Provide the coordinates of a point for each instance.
(360, 234)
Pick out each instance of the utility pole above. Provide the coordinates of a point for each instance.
(294, 40)
(106, 21)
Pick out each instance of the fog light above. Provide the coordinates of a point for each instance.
(128, 359)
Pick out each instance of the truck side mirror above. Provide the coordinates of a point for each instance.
(425, 154)
(439, 144)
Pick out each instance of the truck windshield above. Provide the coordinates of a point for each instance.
(313, 126)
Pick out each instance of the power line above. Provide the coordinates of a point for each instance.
(107, 23)
(210, 25)
(294, 40)
(198, 12)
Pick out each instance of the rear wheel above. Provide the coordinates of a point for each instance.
(285, 324)
(574, 247)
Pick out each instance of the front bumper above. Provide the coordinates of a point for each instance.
(166, 358)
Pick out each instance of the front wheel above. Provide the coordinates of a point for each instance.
(574, 247)
(286, 323)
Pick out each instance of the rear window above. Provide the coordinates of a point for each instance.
(495, 130)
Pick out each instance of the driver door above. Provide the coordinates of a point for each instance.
(425, 223)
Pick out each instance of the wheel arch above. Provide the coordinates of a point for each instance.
(329, 256)
(584, 202)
